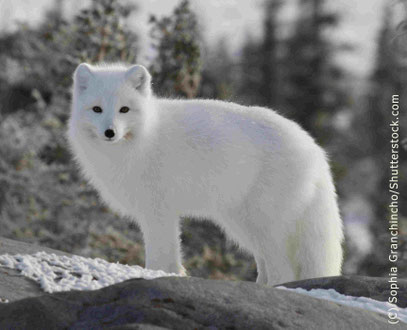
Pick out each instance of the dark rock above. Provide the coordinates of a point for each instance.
(377, 288)
(184, 303)
(176, 303)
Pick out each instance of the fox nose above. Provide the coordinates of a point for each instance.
(109, 133)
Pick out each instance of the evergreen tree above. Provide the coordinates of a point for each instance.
(50, 53)
(259, 73)
(269, 50)
(387, 79)
(219, 73)
(250, 73)
(311, 74)
(176, 69)
(101, 35)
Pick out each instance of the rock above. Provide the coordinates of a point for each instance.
(177, 303)
(184, 303)
(377, 288)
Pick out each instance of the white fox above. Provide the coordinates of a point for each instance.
(256, 174)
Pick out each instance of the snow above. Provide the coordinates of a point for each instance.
(365, 303)
(57, 273)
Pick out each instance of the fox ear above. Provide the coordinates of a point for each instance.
(140, 79)
(82, 76)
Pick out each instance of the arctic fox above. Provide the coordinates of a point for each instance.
(256, 174)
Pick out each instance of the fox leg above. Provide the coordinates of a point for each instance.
(163, 246)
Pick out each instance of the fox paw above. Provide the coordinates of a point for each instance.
(183, 271)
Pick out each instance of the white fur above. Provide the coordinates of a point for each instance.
(256, 174)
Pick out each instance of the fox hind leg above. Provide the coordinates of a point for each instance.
(261, 270)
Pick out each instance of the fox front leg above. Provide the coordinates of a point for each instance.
(163, 246)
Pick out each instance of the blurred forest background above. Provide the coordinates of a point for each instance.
(291, 67)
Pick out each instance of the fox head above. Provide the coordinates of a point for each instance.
(109, 102)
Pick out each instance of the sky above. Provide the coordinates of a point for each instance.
(235, 20)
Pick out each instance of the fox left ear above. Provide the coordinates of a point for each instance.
(140, 79)
(82, 76)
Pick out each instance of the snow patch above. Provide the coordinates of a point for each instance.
(57, 273)
(365, 303)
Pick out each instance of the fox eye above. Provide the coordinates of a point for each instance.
(124, 109)
(97, 109)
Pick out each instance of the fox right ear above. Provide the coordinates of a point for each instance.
(82, 76)
(140, 79)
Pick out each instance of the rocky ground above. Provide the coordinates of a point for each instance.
(186, 303)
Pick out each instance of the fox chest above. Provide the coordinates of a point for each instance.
(115, 179)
